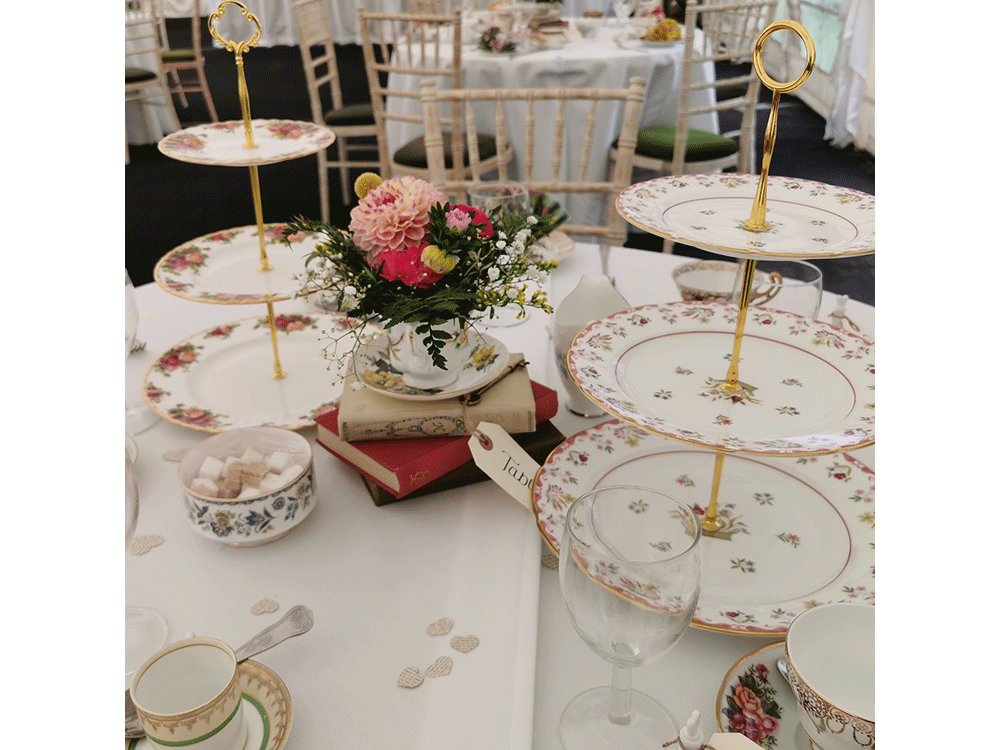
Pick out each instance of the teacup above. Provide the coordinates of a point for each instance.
(409, 355)
(187, 694)
(831, 667)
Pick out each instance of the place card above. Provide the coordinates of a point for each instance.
(504, 461)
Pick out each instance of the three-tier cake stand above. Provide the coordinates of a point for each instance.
(273, 358)
(760, 405)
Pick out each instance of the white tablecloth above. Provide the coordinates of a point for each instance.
(375, 577)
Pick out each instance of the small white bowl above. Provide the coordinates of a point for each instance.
(831, 667)
(256, 520)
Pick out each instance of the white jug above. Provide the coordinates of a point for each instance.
(594, 298)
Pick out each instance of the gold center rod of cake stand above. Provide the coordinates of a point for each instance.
(711, 520)
(732, 384)
(758, 213)
(278, 372)
(238, 48)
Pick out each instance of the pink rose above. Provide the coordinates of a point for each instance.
(407, 266)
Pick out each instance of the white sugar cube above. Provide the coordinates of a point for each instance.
(248, 491)
(211, 468)
(279, 461)
(271, 483)
(251, 456)
(205, 486)
(290, 473)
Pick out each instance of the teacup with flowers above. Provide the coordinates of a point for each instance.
(425, 269)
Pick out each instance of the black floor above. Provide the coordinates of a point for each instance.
(168, 202)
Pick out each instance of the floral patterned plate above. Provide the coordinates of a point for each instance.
(796, 532)
(373, 369)
(267, 708)
(224, 267)
(808, 219)
(222, 378)
(809, 387)
(223, 143)
(755, 701)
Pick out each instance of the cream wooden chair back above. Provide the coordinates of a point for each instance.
(730, 31)
(178, 59)
(145, 77)
(555, 111)
(400, 50)
(349, 123)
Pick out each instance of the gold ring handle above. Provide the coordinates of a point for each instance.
(758, 56)
(758, 213)
(237, 47)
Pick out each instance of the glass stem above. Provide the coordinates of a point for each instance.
(620, 711)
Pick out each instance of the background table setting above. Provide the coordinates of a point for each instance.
(376, 578)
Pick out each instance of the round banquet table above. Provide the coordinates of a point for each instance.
(376, 577)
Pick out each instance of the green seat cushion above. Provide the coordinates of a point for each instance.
(658, 143)
(351, 114)
(138, 75)
(177, 55)
(414, 154)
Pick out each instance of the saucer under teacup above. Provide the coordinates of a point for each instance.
(267, 710)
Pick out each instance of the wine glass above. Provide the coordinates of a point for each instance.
(138, 417)
(630, 573)
(501, 199)
(521, 15)
(622, 10)
(793, 286)
(145, 629)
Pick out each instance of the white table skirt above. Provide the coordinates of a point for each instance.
(375, 577)
(159, 114)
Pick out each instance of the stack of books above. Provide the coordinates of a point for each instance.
(405, 449)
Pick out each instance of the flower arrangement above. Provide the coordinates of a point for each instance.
(494, 39)
(664, 30)
(411, 256)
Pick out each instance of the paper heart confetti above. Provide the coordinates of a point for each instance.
(464, 643)
(410, 678)
(441, 627)
(143, 544)
(264, 606)
(441, 667)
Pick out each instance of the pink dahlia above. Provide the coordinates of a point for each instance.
(393, 216)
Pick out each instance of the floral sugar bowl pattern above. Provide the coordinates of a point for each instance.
(270, 472)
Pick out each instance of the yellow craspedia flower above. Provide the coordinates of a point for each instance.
(366, 182)
(437, 260)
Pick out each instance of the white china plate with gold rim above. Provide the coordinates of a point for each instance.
(374, 370)
(807, 219)
(796, 532)
(224, 267)
(809, 387)
(757, 702)
(267, 708)
(222, 378)
(224, 143)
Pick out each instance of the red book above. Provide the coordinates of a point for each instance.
(402, 466)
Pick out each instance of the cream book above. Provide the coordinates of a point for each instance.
(513, 402)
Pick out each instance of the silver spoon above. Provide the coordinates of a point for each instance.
(783, 670)
(297, 620)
